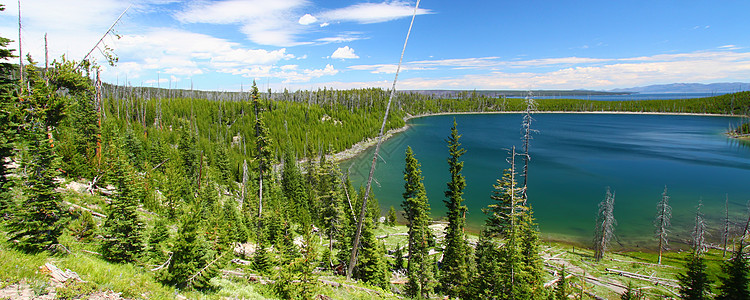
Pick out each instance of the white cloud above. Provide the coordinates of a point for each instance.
(264, 22)
(324, 24)
(344, 53)
(729, 47)
(342, 38)
(575, 72)
(372, 12)
(307, 19)
(183, 53)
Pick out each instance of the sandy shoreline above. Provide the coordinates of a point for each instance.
(360, 147)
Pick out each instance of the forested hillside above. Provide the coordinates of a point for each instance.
(182, 190)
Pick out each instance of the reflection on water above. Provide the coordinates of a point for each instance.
(574, 158)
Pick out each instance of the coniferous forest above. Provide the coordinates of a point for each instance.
(160, 193)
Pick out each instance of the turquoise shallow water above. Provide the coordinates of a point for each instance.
(574, 158)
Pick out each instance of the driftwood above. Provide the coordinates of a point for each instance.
(165, 264)
(91, 252)
(93, 213)
(643, 263)
(655, 280)
(592, 295)
(555, 280)
(392, 234)
(58, 275)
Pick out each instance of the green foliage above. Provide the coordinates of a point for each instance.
(562, 287)
(371, 264)
(417, 213)
(83, 227)
(293, 185)
(191, 256)
(40, 217)
(261, 260)
(631, 293)
(73, 289)
(486, 282)
(391, 217)
(9, 120)
(158, 242)
(734, 283)
(694, 284)
(455, 267)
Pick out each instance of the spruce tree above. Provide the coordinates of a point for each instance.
(158, 247)
(486, 282)
(123, 240)
(694, 284)
(562, 288)
(734, 282)
(454, 272)
(191, 254)
(39, 217)
(391, 216)
(8, 121)
(293, 186)
(417, 213)
(371, 265)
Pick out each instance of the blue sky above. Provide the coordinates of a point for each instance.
(303, 44)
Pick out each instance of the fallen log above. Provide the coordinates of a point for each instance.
(643, 263)
(655, 280)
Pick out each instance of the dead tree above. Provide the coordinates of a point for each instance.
(699, 231)
(662, 222)
(725, 233)
(605, 225)
(527, 131)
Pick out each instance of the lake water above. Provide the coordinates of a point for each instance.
(630, 97)
(574, 158)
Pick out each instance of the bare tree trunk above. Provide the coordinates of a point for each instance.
(363, 211)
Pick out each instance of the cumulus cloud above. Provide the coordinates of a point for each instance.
(307, 19)
(264, 22)
(183, 53)
(344, 53)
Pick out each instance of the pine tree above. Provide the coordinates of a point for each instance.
(417, 213)
(734, 283)
(662, 222)
(371, 265)
(293, 186)
(158, 242)
(454, 275)
(123, 241)
(39, 219)
(562, 288)
(631, 293)
(8, 121)
(222, 164)
(263, 154)
(486, 282)
(694, 284)
(605, 225)
(84, 227)
(391, 217)
(191, 254)
(261, 260)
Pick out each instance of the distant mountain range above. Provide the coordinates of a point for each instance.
(720, 88)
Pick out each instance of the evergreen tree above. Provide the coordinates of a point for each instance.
(176, 189)
(158, 242)
(83, 227)
(263, 155)
(734, 283)
(191, 255)
(417, 213)
(261, 260)
(694, 284)
(454, 275)
(562, 288)
(371, 265)
(222, 164)
(123, 241)
(486, 283)
(391, 217)
(8, 121)
(293, 186)
(605, 225)
(631, 293)
(39, 218)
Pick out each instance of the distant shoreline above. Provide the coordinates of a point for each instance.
(362, 146)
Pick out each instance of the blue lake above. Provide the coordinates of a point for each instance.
(574, 158)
